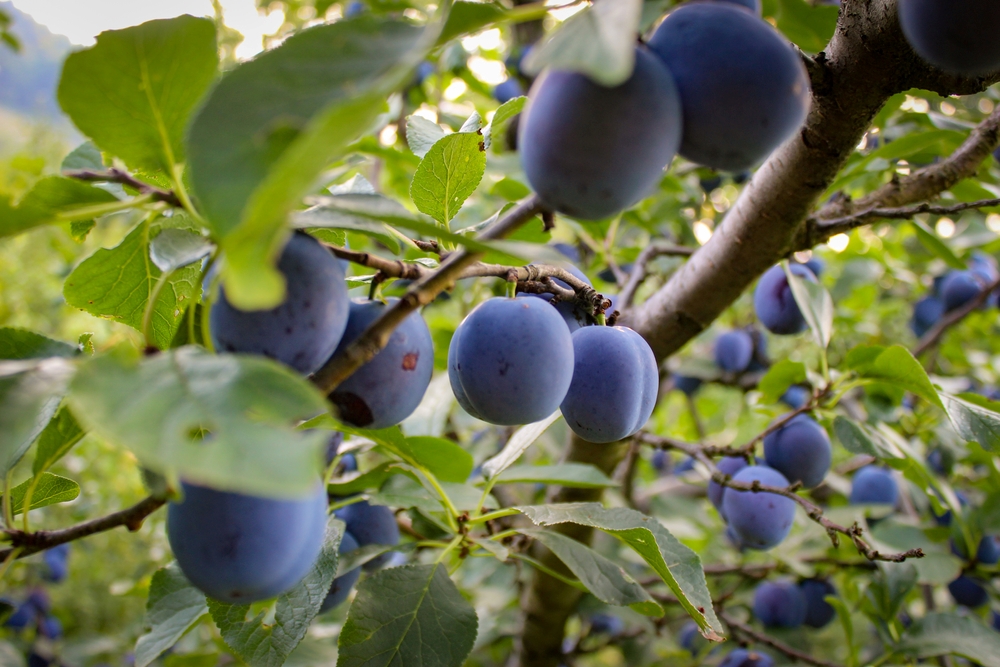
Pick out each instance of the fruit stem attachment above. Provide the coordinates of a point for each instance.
(601, 319)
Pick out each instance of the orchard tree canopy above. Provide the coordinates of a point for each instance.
(499, 332)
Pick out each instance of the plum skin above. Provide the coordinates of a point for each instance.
(800, 450)
(743, 89)
(743, 658)
(729, 465)
(511, 361)
(926, 314)
(590, 151)
(761, 520)
(874, 486)
(819, 612)
(239, 548)
(958, 36)
(734, 351)
(305, 329)
(774, 303)
(959, 288)
(614, 384)
(371, 524)
(779, 604)
(968, 592)
(342, 585)
(388, 388)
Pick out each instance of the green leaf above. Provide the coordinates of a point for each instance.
(372, 479)
(893, 365)
(605, 579)
(84, 156)
(174, 605)
(30, 393)
(262, 645)
(816, 305)
(52, 199)
(574, 475)
(809, 26)
(501, 119)
(678, 566)
(49, 490)
(409, 616)
(780, 377)
(443, 458)
(517, 445)
(469, 17)
(134, 90)
(853, 437)
(974, 423)
(448, 174)
(221, 420)
(950, 634)
(272, 126)
(116, 283)
(57, 438)
(422, 134)
(173, 248)
(598, 41)
(935, 245)
(24, 344)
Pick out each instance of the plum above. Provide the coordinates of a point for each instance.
(688, 385)
(590, 151)
(819, 612)
(874, 486)
(342, 585)
(661, 461)
(371, 524)
(959, 288)
(752, 5)
(733, 351)
(56, 565)
(239, 548)
(968, 592)
(575, 317)
(779, 604)
(988, 552)
(743, 88)
(507, 90)
(800, 450)
(761, 520)
(926, 313)
(958, 36)
(614, 385)
(730, 465)
(387, 389)
(606, 624)
(773, 301)
(511, 361)
(741, 657)
(795, 396)
(304, 330)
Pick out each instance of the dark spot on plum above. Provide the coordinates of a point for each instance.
(410, 361)
(352, 408)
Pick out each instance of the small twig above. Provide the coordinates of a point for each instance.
(640, 268)
(115, 175)
(628, 474)
(761, 638)
(131, 518)
(931, 338)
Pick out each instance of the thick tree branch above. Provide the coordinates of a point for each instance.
(421, 293)
(781, 647)
(131, 518)
(115, 175)
(931, 338)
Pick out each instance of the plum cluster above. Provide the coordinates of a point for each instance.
(514, 361)
(785, 604)
(714, 83)
(955, 289)
(34, 614)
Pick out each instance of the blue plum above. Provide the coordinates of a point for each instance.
(968, 592)
(816, 265)
(685, 466)
(744, 90)
(661, 461)
(354, 8)
(795, 396)
(333, 446)
(752, 5)
(946, 518)
(687, 385)
(874, 486)
(819, 612)
(761, 520)
(730, 465)
(800, 450)
(607, 624)
(926, 313)
(350, 463)
(570, 252)
(779, 604)
(988, 552)
(590, 151)
(741, 657)
(511, 361)
(239, 548)
(958, 36)
(959, 288)
(387, 389)
(614, 385)
(996, 621)
(773, 301)
(304, 330)
(56, 563)
(507, 90)
(371, 524)
(423, 71)
(733, 351)
(984, 265)
(342, 585)
(50, 627)
(24, 614)
(690, 638)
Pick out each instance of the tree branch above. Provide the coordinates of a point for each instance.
(131, 518)
(421, 293)
(115, 175)
(931, 338)
(640, 268)
(761, 638)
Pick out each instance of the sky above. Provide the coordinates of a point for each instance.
(82, 20)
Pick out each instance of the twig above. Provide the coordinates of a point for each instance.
(813, 511)
(131, 517)
(115, 175)
(931, 338)
(640, 272)
(761, 638)
(628, 474)
(421, 293)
